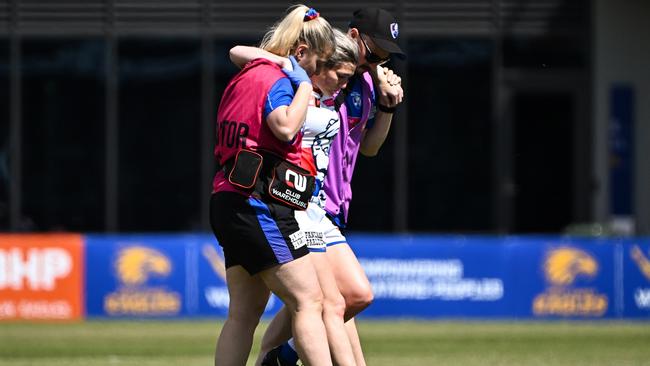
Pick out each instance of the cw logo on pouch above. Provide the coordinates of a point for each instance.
(295, 180)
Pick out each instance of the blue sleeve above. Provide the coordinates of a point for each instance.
(281, 93)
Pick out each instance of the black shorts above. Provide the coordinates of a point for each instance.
(254, 234)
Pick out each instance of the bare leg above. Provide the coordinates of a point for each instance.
(278, 332)
(333, 312)
(350, 278)
(355, 288)
(353, 335)
(248, 297)
(296, 284)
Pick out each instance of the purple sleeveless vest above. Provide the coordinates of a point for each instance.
(343, 154)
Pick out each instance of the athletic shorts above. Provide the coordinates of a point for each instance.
(254, 234)
(320, 231)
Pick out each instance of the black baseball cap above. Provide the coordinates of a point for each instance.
(381, 26)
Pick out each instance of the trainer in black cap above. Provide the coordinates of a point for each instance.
(381, 26)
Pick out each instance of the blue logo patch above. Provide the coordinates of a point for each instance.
(356, 99)
(394, 30)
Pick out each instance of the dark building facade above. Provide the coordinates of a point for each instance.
(108, 114)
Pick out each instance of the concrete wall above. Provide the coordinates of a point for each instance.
(622, 55)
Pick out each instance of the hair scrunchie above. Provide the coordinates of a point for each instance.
(311, 14)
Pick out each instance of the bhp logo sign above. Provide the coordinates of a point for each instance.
(37, 269)
(40, 276)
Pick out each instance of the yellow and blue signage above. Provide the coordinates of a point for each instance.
(575, 278)
(136, 276)
(212, 290)
(419, 276)
(635, 255)
(510, 277)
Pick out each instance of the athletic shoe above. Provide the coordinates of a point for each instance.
(273, 358)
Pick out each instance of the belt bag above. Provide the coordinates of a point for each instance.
(291, 185)
(271, 176)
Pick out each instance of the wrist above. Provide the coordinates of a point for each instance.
(385, 108)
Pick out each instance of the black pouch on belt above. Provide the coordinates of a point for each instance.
(271, 176)
(245, 169)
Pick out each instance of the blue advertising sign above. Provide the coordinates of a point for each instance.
(430, 276)
(437, 276)
(564, 278)
(140, 276)
(636, 278)
(212, 290)
(157, 276)
(421, 276)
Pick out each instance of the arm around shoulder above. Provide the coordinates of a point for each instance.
(241, 55)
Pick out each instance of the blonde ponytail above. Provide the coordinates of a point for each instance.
(283, 38)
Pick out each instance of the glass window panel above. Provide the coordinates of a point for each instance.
(544, 125)
(159, 134)
(449, 94)
(544, 53)
(4, 134)
(371, 208)
(63, 134)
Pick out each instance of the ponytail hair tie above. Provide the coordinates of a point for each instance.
(311, 14)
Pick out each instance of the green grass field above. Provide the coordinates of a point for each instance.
(412, 343)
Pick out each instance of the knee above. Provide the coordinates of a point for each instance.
(244, 321)
(359, 299)
(334, 306)
(246, 316)
(310, 301)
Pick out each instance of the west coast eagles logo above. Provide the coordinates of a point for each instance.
(562, 267)
(134, 266)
